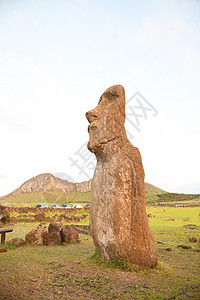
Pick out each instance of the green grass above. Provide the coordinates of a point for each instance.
(116, 264)
(9, 246)
(176, 197)
(78, 272)
(163, 219)
(49, 198)
(20, 230)
(80, 212)
(167, 224)
(181, 215)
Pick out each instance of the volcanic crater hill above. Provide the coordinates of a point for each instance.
(45, 182)
(48, 188)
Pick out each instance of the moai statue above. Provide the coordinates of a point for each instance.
(118, 220)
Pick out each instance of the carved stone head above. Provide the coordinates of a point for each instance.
(107, 119)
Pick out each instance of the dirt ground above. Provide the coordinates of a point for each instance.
(70, 272)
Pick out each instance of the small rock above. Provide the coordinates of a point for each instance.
(54, 227)
(69, 234)
(168, 249)
(194, 239)
(184, 247)
(53, 238)
(35, 236)
(39, 217)
(191, 226)
(3, 250)
(150, 216)
(17, 241)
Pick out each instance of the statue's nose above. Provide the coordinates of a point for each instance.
(91, 115)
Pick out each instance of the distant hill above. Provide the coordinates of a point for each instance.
(150, 188)
(154, 194)
(45, 182)
(48, 189)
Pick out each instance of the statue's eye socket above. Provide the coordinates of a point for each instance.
(94, 116)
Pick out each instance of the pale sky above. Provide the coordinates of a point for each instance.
(58, 56)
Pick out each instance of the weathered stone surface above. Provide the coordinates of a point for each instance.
(39, 217)
(53, 227)
(35, 236)
(69, 234)
(17, 241)
(118, 220)
(53, 238)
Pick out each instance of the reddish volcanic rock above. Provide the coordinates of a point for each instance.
(118, 220)
(53, 238)
(17, 241)
(69, 234)
(39, 217)
(53, 227)
(3, 250)
(35, 236)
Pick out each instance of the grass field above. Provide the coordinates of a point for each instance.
(74, 272)
(49, 198)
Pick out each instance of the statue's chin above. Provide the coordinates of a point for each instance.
(94, 146)
(91, 147)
